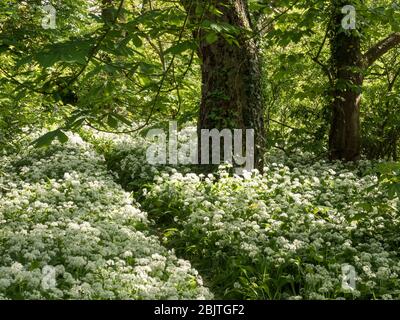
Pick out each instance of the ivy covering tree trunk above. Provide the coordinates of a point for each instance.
(232, 94)
(348, 67)
(345, 139)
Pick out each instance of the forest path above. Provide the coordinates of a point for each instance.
(155, 228)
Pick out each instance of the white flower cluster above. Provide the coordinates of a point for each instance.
(287, 232)
(68, 231)
(283, 234)
(126, 156)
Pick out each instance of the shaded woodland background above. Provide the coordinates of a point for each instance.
(284, 68)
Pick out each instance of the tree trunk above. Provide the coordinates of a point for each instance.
(347, 70)
(348, 66)
(232, 96)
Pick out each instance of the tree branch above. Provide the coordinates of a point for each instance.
(380, 48)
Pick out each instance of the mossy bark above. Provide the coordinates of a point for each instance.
(348, 67)
(347, 70)
(232, 95)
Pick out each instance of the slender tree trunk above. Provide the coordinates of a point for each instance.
(348, 67)
(232, 94)
(347, 63)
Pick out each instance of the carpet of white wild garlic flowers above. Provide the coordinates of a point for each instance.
(126, 156)
(285, 234)
(67, 231)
